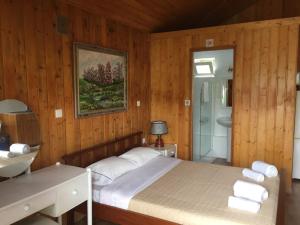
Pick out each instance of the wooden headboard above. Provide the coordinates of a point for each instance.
(85, 157)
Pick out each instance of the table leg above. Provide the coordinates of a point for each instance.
(89, 201)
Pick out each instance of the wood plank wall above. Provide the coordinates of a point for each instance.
(264, 87)
(36, 68)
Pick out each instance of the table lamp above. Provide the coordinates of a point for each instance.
(159, 128)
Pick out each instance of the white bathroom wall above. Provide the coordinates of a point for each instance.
(219, 138)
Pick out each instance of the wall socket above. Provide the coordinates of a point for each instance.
(187, 102)
(58, 113)
(138, 103)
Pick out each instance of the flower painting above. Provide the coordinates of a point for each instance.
(100, 80)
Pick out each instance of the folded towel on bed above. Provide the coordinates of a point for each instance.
(243, 204)
(258, 177)
(253, 192)
(6, 154)
(265, 168)
(19, 148)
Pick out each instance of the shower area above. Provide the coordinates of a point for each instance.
(212, 103)
(202, 126)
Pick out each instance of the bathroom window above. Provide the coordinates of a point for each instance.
(204, 67)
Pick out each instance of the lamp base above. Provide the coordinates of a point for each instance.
(159, 143)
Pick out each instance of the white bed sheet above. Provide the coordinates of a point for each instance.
(123, 189)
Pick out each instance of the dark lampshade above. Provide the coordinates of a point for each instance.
(159, 127)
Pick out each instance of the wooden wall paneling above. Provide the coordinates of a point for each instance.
(132, 83)
(1, 62)
(144, 95)
(72, 124)
(245, 99)
(254, 95)
(272, 93)
(42, 85)
(281, 90)
(10, 48)
(1, 67)
(264, 87)
(38, 69)
(262, 93)
(55, 82)
(32, 63)
(185, 92)
(290, 100)
(154, 69)
(19, 58)
(170, 102)
(237, 97)
(136, 84)
(178, 87)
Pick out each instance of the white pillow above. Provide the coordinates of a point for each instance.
(140, 155)
(107, 170)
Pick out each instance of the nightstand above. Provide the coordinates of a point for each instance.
(169, 150)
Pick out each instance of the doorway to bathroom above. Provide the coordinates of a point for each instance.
(212, 105)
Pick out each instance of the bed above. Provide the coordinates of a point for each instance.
(156, 204)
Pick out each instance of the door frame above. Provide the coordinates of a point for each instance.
(204, 49)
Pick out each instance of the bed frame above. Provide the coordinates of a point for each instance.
(83, 158)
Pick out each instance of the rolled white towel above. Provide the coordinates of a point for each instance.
(6, 154)
(258, 177)
(243, 204)
(265, 168)
(253, 192)
(19, 148)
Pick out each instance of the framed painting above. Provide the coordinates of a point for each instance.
(100, 78)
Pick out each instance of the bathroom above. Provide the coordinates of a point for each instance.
(212, 105)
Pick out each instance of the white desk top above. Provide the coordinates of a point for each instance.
(25, 186)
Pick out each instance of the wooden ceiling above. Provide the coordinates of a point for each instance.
(165, 15)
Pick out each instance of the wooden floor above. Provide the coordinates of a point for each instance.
(292, 215)
(221, 161)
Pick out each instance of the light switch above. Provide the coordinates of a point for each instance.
(138, 103)
(187, 102)
(58, 113)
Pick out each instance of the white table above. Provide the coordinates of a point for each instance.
(169, 150)
(53, 191)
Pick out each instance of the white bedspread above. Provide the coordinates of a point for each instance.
(123, 189)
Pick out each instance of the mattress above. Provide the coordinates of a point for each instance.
(197, 194)
(186, 193)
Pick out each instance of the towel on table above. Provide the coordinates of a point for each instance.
(19, 148)
(6, 154)
(265, 168)
(253, 192)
